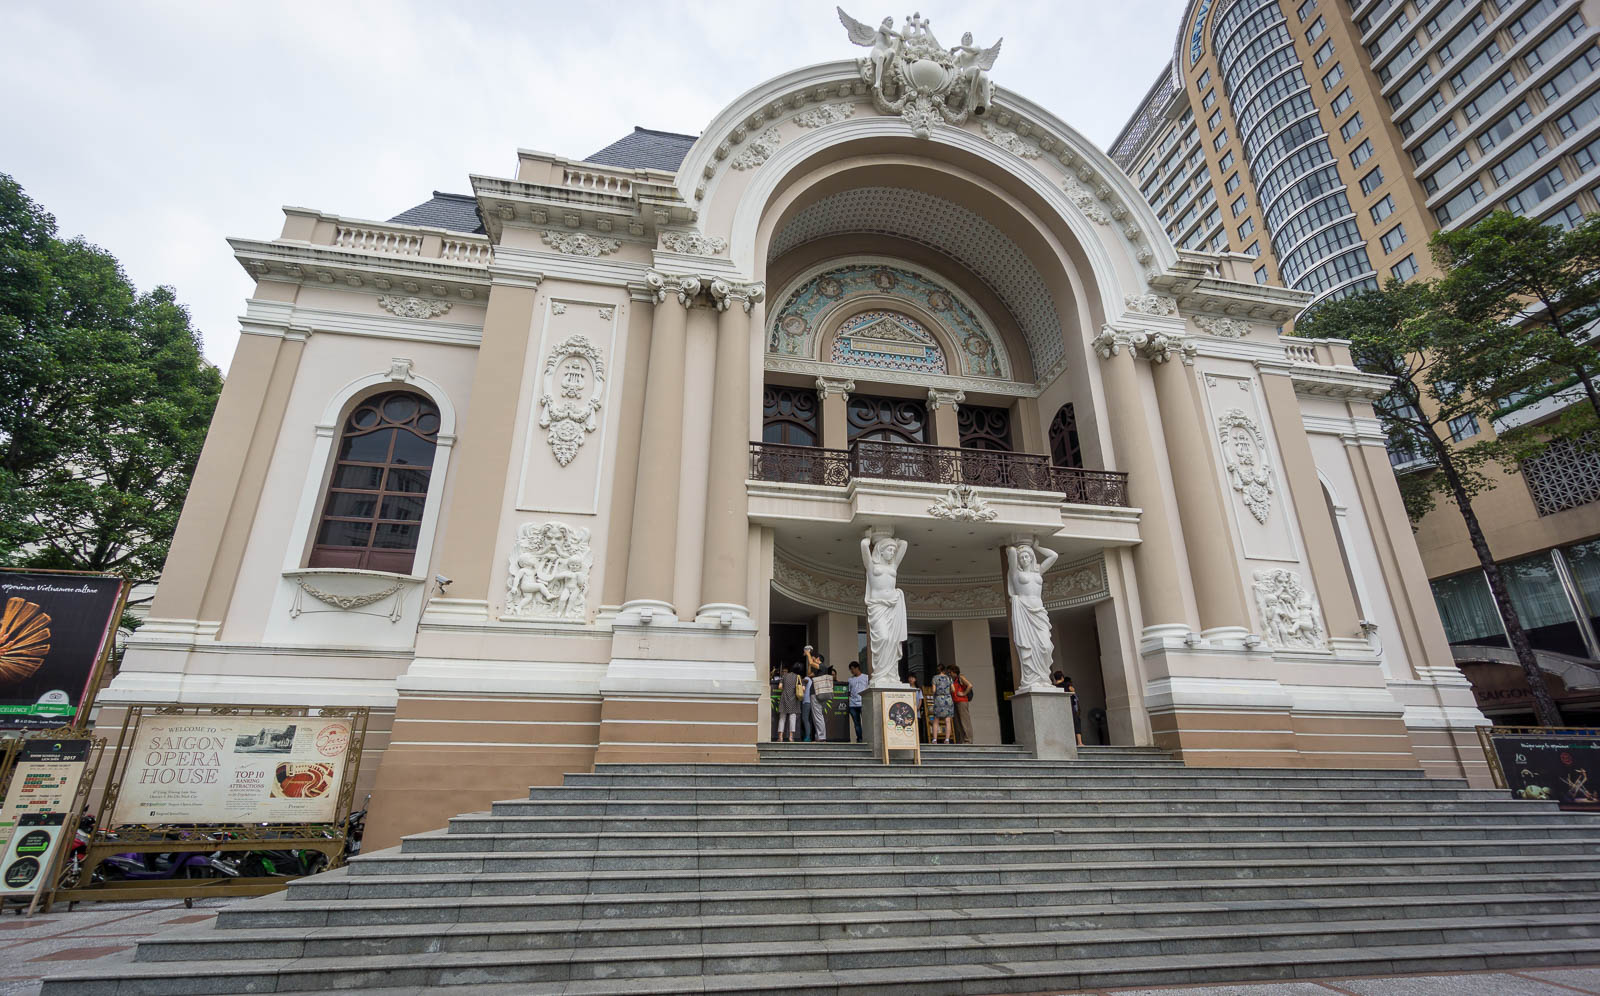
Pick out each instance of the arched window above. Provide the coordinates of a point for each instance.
(1064, 449)
(888, 420)
(984, 428)
(372, 517)
(789, 415)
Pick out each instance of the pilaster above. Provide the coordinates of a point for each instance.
(944, 405)
(835, 395)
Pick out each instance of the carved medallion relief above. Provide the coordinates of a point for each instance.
(568, 384)
(1251, 481)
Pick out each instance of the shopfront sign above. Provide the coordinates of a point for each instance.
(233, 769)
(55, 631)
(1561, 765)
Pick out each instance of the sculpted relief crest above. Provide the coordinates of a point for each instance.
(1244, 455)
(912, 75)
(569, 404)
(549, 572)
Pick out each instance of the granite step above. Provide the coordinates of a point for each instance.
(1023, 954)
(242, 925)
(442, 841)
(343, 883)
(980, 872)
(294, 911)
(1118, 814)
(394, 862)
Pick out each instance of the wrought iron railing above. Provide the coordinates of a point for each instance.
(946, 465)
(799, 464)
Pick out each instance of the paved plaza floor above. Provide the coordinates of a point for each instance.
(101, 936)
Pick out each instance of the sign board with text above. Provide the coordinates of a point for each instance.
(233, 769)
(1561, 765)
(898, 721)
(45, 780)
(55, 630)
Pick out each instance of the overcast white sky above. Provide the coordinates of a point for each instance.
(157, 130)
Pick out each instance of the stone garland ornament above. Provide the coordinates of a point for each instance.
(1151, 304)
(759, 150)
(412, 307)
(824, 114)
(1288, 612)
(962, 503)
(1159, 347)
(1223, 328)
(912, 75)
(549, 572)
(693, 243)
(1010, 141)
(1086, 202)
(580, 243)
(569, 406)
(1244, 456)
(1107, 342)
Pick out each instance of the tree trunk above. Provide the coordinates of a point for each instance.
(1544, 706)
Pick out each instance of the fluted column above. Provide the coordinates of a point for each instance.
(1160, 562)
(723, 581)
(1218, 589)
(653, 549)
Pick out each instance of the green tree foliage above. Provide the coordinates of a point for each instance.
(106, 403)
(1527, 295)
(1412, 334)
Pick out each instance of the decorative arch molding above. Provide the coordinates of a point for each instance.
(1084, 166)
(824, 297)
(399, 376)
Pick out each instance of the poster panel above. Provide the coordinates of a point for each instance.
(900, 721)
(233, 769)
(45, 780)
(1560, 765)
(53, 630)
(30, 853)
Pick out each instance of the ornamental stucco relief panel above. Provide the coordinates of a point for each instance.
(567, 391)
(548, 573)
(1248, 467)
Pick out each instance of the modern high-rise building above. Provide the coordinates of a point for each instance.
(1328, 140)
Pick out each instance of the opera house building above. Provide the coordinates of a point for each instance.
(556, 472)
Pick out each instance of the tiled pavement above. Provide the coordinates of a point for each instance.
(105, 933)
(62, 941)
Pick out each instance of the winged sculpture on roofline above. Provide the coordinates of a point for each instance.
(912, 75)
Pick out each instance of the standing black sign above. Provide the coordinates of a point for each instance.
(1562, 765)
(54, 630)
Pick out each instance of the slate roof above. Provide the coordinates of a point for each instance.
(646, 149)
(455, 212)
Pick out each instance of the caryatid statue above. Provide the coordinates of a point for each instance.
(1030, 623)
(886, 607)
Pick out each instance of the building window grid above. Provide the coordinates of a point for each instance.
(1341, 102)
(1239, 204)
(1332, 77)
(1570, 30)
(1323, 54)
(1447, 172)
(1372, 181)
(1522, 157)
(1393, 239)
(1587, 156)
(1452, 208)
(1570, 216)
(1306, 9)
(1544, 187)
(1569, 123)
(1336, 271)
(1316, 30)
(1311, 219)
(1213, 122)
(1383, 208)
(1361, 153)
(1405, 270)
(1320, 246)
(1351, 128)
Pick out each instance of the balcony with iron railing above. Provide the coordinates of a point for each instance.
(784, 463)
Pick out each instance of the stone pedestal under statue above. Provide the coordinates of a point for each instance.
(1043, 721)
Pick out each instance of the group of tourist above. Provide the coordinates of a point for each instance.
(803, 688)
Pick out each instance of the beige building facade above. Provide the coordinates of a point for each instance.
(1326, 142)
(553, 474)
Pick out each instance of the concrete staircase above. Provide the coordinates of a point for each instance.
(819, 871)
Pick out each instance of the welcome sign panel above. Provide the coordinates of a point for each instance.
(233, 769)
